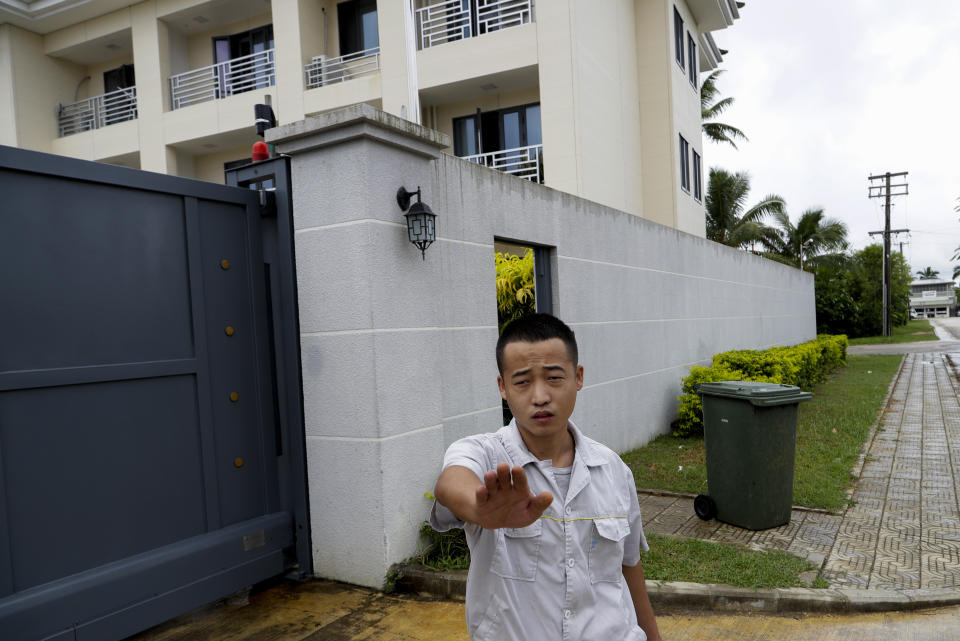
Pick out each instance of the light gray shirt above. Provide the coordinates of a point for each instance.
(561, 577)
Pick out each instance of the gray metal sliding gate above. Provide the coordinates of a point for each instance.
(151, 430)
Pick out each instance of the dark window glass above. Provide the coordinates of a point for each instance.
(371, 35)
(221, 49)
(465, 136)
(678, 36)
(498, 130)
(534, 134)
(692, 56)
(119, 78)
(684, 164)
(357, 21)
(242, 44)
(511, 130)
(697, 184)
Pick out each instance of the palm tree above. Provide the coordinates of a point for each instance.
(711, 108)
(727, 222)
(814, 237)
(928, 273)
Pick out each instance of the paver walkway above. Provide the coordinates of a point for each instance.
(903, 530)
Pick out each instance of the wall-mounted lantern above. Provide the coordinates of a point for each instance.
(421, 225)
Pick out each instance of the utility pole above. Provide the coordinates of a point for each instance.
(886, 190)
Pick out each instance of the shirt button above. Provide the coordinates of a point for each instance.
(567, 614)
(569, 511)
(570, 562)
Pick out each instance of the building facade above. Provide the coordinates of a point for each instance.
(933, 298)
(597, 99)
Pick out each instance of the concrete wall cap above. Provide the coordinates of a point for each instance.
(358, 114)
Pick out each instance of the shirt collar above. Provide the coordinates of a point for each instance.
(517, 449)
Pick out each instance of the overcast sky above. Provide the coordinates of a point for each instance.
(832, 91)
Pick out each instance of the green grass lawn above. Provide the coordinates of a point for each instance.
(831, 431)
(672, 559)
(915, 330)
(669, 559)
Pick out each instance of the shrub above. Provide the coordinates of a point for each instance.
(803, 365)
(443, 550)
(515, 286)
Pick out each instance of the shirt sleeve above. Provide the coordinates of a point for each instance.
(636, 541)
(469, 453)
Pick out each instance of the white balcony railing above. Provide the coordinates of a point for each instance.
(523, 162)
(451, 20)
(325, 71)
(98, 111)
(223, 79)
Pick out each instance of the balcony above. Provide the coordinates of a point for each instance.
(452, 20)
(326, 71)
(224, 79)
(98, 111)
(522, 162)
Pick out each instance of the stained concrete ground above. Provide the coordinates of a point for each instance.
(901, 535)
(328, 611)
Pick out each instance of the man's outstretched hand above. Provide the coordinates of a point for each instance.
(505, 499)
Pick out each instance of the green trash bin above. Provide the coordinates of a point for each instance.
(750, 431)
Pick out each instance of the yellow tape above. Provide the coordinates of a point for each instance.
(582, 518)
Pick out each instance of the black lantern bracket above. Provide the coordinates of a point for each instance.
(421, 221)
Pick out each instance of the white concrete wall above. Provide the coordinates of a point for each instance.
(398, 352)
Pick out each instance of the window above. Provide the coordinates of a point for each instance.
(692, 56)
(357, 20)
(489, 131)
(243, 44)
(253, 75)
(678, 37)
(697, 179)
(120, 78)
(684, 164)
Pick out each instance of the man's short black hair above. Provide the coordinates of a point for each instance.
(534, 328)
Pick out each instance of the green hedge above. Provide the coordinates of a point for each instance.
(803, 365)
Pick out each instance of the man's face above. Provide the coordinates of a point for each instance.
(540, 384)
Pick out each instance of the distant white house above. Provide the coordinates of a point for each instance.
(933, 298)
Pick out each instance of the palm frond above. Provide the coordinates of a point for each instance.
(719, 132)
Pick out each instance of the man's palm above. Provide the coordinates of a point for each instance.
(505, 500)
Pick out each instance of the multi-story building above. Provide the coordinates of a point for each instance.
(597, 98)
(933, 298)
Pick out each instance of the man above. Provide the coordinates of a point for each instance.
(551, 516)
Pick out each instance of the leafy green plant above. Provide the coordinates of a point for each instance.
(443, 550)
(803, 365)
(515, 286)
(392, 579)
(690, 413)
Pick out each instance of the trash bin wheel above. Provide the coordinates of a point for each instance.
(705, 508)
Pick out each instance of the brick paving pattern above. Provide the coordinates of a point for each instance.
(903, 530)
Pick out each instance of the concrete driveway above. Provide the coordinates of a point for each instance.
(947, 330)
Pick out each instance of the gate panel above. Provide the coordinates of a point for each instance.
(100, 274)
(80, 461)
(140, 451)
(237, 378)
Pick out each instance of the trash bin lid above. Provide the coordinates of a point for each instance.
(761, 394)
